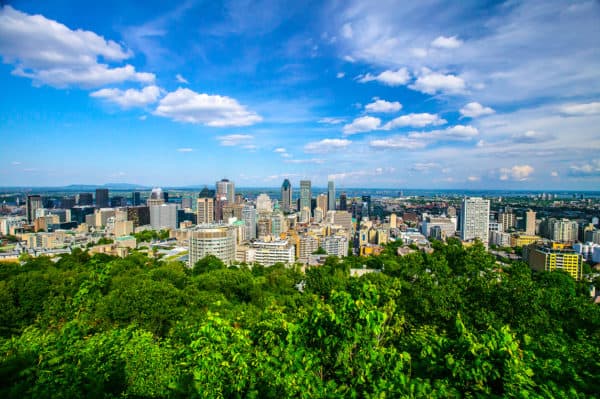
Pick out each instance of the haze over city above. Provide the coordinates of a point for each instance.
(470, 95)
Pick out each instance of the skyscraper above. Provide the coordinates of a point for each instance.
(331, 195)
(286, 196)
(343, 202)
(249, 218)
(163, 216)
(156, 197)
(205, 210)
(530, 222)
(305, 194)
(474, 220)
(322, 202)
(34, 202)
(136, 198)
(101, 198)
(226, 191)
(212, 239)
(85, 199)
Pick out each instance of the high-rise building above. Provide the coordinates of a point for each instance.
(507, 219)
(556, 257)
(85, 199)
(322, 201)
(226, 191)
(530, 223)
(305, 194)
(336, 245)
(67, 202)
(156, 197)
(118, 201)
(330, 195)
(139, 215)
(101, 198)
(343, 202)
(269, 253)
(205, 210)
(163, 216)
(249, 218)
(136, 198)
(286, 196)
(34, 202)
(475, 219)
(212, 239)
(264, 204)
(186, 202)
(562, 230)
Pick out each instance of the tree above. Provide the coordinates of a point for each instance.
(206, 264)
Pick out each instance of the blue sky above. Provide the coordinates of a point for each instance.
(428, 94)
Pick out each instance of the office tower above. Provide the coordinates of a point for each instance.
(85, 199)
(286, 196)
(239, 199)
(330, 196)
(530, 222)
(249, 218)
(206, 193)
(34, 202)
(101, 198)
(136, 198)
(156, 197)
(278, 224)
(226, 191)
(212, 239)
(264, 204)
(67, 202)
(318, 215)
(139, 215)
(118, 201)
(475, 218)
(186, 202)
(322, 202)
(166, 196)
(343, 202)
(366, 207)
(305, 195)
(205, 210)
(163, 216)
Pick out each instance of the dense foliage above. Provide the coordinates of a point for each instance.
(447, 324)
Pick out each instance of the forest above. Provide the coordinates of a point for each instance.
(450, 324)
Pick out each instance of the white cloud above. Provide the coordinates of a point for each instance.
(554, 173)
(331, 121)
(415, 120)
(396, 143)
(143, 117)
(424, 166)
(446, 42)
(185, 105)
(231, 140)
(181, 79)
(531, 137)
(434, 82)
(50, 53)
(517, 173)
(383, 106)
(360, 173)
(586, 169)
(303, 161)
(473, 178)
(15, 163)
(457, 132)
(389, 78)
(362, 124)
(185, 149)
(581, 109)
(280, 150)
(474, 110)
(129, 98)
(326, 145)
(340, 75)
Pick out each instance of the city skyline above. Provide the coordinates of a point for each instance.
(386, 95)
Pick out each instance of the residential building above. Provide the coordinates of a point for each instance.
(555, 257)
(270, 253)
(212, 239)
(530, 223)
(205, 210)
(475, 216)
(336, 245)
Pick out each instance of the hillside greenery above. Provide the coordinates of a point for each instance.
(450, 324)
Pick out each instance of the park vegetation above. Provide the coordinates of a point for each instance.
(449, 324)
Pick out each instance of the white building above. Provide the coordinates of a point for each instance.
(474, 221)
(264, 204)
(163, 216)
(212, 239)
(336, 245)
(447, 226)
(269, 253)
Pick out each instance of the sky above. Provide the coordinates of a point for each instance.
(374, 94)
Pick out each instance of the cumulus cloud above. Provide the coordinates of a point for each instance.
(424, 166)
(517, 172)
(129, 98)
(430, 82)
(347, 31)
(331, 121)
(581, 109)
(360, 173)
(554, 173)
(446, 42)
(185, 150)
(231, 140)
(458, 132)
(397, 143)
(362, 124)
(531, 137)
(473, 178)
(280, 150)
(185, 105)
(415, 120)
(181, 79)
(390, 78)
(303, 161)
(585, 169)
(474, 110)
(50, 53)
(340, 75)
(326, 145)
(383, 106)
